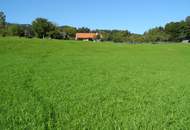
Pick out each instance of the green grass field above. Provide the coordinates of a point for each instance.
(51, 84)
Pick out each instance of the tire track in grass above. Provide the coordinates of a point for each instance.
(49, 113)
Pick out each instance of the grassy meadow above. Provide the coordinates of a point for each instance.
(52, 84)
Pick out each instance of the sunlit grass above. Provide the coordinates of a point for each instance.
(52, 84)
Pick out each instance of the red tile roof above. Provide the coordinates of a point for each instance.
(86, 35)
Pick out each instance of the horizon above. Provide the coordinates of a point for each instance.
(134, 16)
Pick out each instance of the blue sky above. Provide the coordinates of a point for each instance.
(135, 15)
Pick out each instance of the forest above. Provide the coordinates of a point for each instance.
(43, 28)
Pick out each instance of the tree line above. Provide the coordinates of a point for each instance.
(43, 28)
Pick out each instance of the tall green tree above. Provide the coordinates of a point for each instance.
(188, 19)
(119, 35)
(157, 34)
(2, 19)
(136, 38)
(188, 27)
(173, 29)
(178, 31)
(184, 31)
(83, 30)
(3, 31)
(28, 31)
(15, 30)
(57, 34)
(69, 31)
(42, 26)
